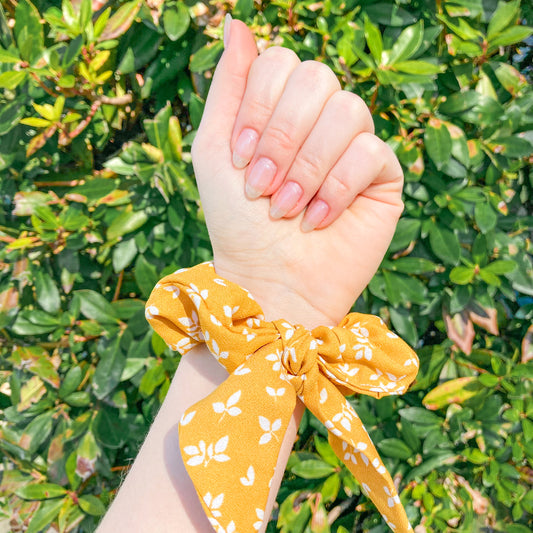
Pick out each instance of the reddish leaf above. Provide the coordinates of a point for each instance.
(460, 330)
(121, 21)
(527, 345)
(484, 317)
(454, 391)
(37, 361)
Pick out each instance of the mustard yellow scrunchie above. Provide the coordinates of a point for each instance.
(230, 441)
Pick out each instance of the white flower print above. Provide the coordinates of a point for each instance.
(378, 466)
(186, 418)
(215, 350)
(362, 351)
(197, 295)
(345, 417)
(253, 322)
(393, 498)
(183, 346)
(174, 290)
(350, 454)
(249, 335)
(261, 516)
(204, 454)
(213, 504)
(248, 481)
(229, 406)
(269, 429)
(276, 357)
(348, 369)
(271, 391)
(229, 311)
(411, 361)
(359, 330)
(150, 312)
(192, 327)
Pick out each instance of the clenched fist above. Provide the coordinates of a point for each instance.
(301, 198)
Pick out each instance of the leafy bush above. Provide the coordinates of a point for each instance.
(99, 102)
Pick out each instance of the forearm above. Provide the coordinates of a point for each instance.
(158, 495)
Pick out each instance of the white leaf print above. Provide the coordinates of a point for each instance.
(151, 311)
(276, 425)
(234, 398)
(265, 437)
(392, 335)
(186, 418)
(217, 502)
(361, 446)
(261, 515)
(362, 351)
(191, 450)
(323, 395)
(231, 527)
(345, 423)
(215, 320)
(227, 311)
(221, 444)
(234, 411)
(174, 290)
(248, 481)
(195, 461)
(379, 467)
(219, 281)
(264, 423)
(221, 457)
(218, 407)
(312, 345)
(348, 369)
(241, 370)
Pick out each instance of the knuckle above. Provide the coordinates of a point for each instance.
(308, 164)
(318, 72)
(260, 109)
(354, 108)
(280, 137)
(373, 146)
(337, 186)
(278, 53)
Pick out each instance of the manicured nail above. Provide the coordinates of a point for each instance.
(314, 215)
(260, 177)
(286, 199)
(245, 147)
(227, 27)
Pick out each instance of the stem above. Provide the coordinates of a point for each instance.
(119, 286)
(372, 105)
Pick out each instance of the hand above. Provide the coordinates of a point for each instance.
(320, 144)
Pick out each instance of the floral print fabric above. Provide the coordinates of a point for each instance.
(230, 441)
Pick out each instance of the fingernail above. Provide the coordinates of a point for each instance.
(286, 199)
(245, 147)
(227, 27)
(314, 215)
(260, 177)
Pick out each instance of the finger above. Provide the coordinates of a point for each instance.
(344, 116)
(229, 83)
(368, 170)
(307, 90)
(266, 80)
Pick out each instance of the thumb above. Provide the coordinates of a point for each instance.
(229, 81)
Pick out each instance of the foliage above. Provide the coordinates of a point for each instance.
(99, 102)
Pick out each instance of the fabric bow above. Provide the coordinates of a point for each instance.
(230, 441)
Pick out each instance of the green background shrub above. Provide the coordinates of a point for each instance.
(99, 103)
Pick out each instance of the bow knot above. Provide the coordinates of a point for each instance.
(299, 354)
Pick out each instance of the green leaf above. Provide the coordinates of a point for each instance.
(151, 380)
(312, 469)
(395, 448)
(126, 222)
(109, 368)
(485, 216)
(417, 67)
(512, 146)
(444, 244)
(91, 505)
(407, 230)
(438, 142)
(207, 57)
(420, 416)
(123, 254)
(476, 456)
(462, 275)
(36, 360)
(407, 43)
(94, 305)
(373, 40)
(412, 265)
(505, 15)
(121, 21)
(176, 20)
(45, 515)
(71, 381)
(145, 276)
(40, 491)
(489, 278)
(500, 266)
(389, 14)
(109, 428)
(243, 9)
(433, 463)
(28, 30)
(47, 292)
(10, 114)
(11, 80)
(326, 452)
(404, 325)
(513, 35)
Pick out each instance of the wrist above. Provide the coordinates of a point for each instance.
(276, 299)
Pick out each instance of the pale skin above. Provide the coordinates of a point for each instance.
(304, 231)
